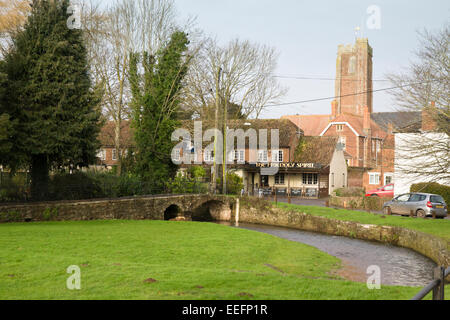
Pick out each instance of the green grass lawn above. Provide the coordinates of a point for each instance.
(439, 228)
(187, 260)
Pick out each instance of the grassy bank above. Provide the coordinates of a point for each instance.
(439, 228)
(178, 260)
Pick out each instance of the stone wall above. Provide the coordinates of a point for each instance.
(252, 211)
(140, 208)
(363, 203)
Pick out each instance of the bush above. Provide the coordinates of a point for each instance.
(235, 184)
(14, 188)
(350, 192)
(185, 185)
(77, 186)
(433, 188)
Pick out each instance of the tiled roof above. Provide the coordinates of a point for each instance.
(318, 150)
(400, 120)
(287, 130)
(312, 125)
(107, 134)
(357, 124)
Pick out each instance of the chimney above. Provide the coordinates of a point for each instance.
(367, 121)
(390, 128)
(334, 109)
(428, 118)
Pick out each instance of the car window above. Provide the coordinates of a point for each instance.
(389, 188)
(403, 198)
(436, 199)
(417, 198)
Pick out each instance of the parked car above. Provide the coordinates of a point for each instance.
(422, 205)
(384, 192)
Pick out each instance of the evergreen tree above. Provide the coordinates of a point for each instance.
(50, 100)
(155, 106)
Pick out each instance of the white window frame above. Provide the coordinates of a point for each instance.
(388, 174)
(374, 178)
(102, 155)
(263, 156)
(277, 156)
(209, 156)
(281, 177)
(114, 154)
(239, 156)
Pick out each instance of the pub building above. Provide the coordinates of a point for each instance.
(308, 167)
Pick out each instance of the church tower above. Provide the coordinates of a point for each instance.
(353, 76)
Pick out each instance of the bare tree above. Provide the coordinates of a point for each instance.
(425, 87)
(246, 80)
(13, 14)
(125, 27)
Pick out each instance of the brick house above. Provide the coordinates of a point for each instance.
(367, 137)
(108, 156)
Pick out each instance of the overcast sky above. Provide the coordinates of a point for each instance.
(306, 33)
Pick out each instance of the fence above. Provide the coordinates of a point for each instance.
(437, 285)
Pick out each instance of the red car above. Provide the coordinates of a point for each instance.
(384, 192)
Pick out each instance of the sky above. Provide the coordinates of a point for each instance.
(306, 35)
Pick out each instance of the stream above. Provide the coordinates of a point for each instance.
(399, 266)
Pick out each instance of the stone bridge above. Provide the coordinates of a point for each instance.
(163, 207)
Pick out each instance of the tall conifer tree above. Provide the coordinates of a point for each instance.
(50, 100)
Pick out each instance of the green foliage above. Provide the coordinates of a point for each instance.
(235, 184)
(197, 172)
(10, 216)
(186, 185)
(50, 214)
(50, 101)
(77, 186)
(14, 188)
(350, 192)
(155, 104)
(373, 203)
(433, 188)
(300, 148)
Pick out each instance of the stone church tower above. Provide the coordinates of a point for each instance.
(353, 76)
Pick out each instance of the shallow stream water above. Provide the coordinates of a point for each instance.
(399, 266)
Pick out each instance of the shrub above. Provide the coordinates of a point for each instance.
(433, 188)
(197, 172)
(185, 185)
(235, 184)
(350, 192)
(75, 186)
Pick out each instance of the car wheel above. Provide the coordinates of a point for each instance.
(388, 211)
(421, 214)
(375, 196)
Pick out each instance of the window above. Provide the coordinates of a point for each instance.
(114, 154)
(388, 178)
(389, 188)
(417, 198)
(280, 179)
(209, 155)
(277, 156)
(340, 128)
(177, 155)
(102, 155)
(437, 199)
(311, 179)
(239, 155)
(378, 146)
(263, 156)
(403, 198)
(374, 178)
